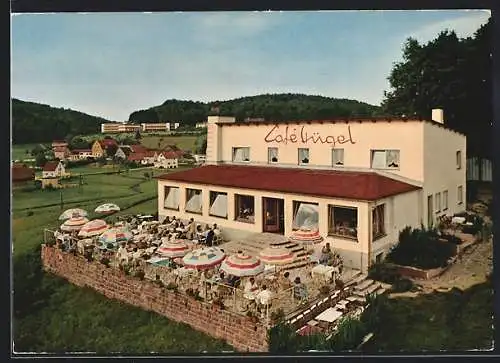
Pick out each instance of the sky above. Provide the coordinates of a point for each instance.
(111, 64)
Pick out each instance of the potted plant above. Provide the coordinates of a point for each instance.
(324, 290)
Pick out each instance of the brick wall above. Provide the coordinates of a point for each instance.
(237, 330)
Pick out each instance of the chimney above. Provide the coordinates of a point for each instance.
(438, 115)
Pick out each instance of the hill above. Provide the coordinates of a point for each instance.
(269, 107)
(34, 122)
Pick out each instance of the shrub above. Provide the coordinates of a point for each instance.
(402, 285)
(140, 274)
(339, 284)
(324, 290)
(452, 239)
(277, 316)
(421, 248)
(384, 272)
(105, 261)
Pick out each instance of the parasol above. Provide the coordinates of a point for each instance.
(306, 236)
(276, 256)
(107, 208)
(115, 236)
(172, 249)
(93, 228)
(242, 265)
(74, 224)
(203, 258)
(73, 212)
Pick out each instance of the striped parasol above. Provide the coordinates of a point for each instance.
(73, 212)
(204, 258)
(306, 236)
(172, 249)
(107, 208)
(115, 236)
(74, 224)
(276, 256)
(93, 228)
(242, 265)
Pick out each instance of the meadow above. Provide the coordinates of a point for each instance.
(19, 150)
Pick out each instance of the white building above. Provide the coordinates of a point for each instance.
(358, 182)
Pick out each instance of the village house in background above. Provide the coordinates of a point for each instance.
(118, 127)
(99, 147)
(200, 159)
(201, 125)
(22, 175)
(60, 149)
(53, 169)
(358, 182)
(80, 154)
(166, 160)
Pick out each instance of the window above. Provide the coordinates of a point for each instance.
(337, 157)
(194, 201)
(379, 258)
(460, 194)
(244, 205)
(305, 216)
(272, 155)
(303, 156)
(171, 200)
(378, 222)
(241, 154)
(343, 222)
(445, 200)
(459, 159)
(385, 159)
(218, 204)
(437, 200)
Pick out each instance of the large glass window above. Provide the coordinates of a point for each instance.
(343, 222)
(305, 216)
(171, 200)
(218, 204)
(244, 208)
(378, 222)
(241, 154)
(272, 155)
(338, 157)
(303, 156)
(194, 201)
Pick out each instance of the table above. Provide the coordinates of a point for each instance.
(329, 315)
(324, 272)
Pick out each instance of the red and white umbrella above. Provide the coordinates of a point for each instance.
(74, 224)
(107, 208)
(203, 258)
(93, 228)
(173, 249)
(306, 236)
(276, 256)
(242, 265)
(115, 236)
(73, 213)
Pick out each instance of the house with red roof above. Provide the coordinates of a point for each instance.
(166, 160)
(22, 174)
(80, 154)
(99, 147)
(354, 183)
(60, 149)
(53, 169)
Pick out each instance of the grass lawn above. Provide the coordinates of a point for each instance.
(19, 151)
(455, 321)
(183, 142)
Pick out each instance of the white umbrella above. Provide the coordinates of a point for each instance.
(74, 224)
(203, 258)
(115, 236)
(93, 228)
(306, 236)
(107, 208)
(73, 212)
(242, 265)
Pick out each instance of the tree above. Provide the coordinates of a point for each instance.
(449, 73)
(149, 115)
(111, 150)
(138, 135)
(78, 142)
(40, 159)
(201, 144)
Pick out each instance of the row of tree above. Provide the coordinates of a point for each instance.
(449, 73)
(269, 106)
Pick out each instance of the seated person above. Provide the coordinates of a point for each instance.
(326, 254)
(299, 290)
(284, 281)
(217, 231)
(233, 280)
(209, 240)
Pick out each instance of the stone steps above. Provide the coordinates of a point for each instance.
(380, 290)
(363, 285)
(356, 279)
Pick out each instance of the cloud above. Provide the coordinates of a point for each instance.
(463, 26)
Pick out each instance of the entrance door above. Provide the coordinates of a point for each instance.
(430, 211)
(273, 215)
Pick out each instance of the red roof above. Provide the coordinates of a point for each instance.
(22, 173)
(169, 154)
(107, 142)
(136, 157)
(138, 148)
(325, 183)
(50, 166)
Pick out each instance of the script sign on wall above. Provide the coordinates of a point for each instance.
(300, 135)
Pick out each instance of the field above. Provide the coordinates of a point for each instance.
(55, 316)
(19, 151)
(159, 142)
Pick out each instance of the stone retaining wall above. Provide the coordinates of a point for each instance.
(239, 331)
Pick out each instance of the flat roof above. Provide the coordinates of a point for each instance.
(368, 186)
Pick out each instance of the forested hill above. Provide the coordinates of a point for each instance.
(35, 122)
(269, 107)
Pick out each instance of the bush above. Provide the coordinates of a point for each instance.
(421, 248)
(402, 284)
(384, 272)
(452, 239)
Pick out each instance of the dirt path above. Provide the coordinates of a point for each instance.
(470, 269)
